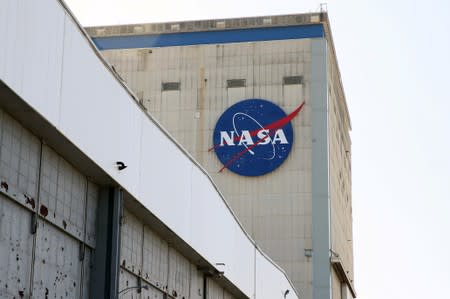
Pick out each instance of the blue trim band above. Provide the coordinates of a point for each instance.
(209, 37)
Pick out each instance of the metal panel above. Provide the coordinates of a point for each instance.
(16, 245)
(196, 288)
(179, 274)
(19, 161)
(228, 245)
(62, 194)
(57, 266)
(91, 213)
(26, 25)
(131, 243)
(213, 291)
(86, 279)
(270, 282)
(152, 293)
(89, 80)
(128, 280)
(131, 282)
(53, 251)
(155, 259)
(156, 187)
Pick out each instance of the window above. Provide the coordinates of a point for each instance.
(292, 80)
(166, 86)
(236, 83)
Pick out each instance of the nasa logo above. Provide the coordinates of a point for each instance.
(253, 137)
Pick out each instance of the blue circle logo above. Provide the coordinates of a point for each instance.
(253, 137)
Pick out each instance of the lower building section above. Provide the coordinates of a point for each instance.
(148, 260)
(58, 230)
(47, 219)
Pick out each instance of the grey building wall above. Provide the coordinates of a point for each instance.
(48, 240)
(47, 219)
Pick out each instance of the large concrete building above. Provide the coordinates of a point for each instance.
(259, 103)
(97, 200)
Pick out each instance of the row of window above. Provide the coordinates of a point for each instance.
(234, 83)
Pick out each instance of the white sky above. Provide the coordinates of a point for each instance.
(394, 61)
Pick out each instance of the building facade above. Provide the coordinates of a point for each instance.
(259, 103)
(96, 199)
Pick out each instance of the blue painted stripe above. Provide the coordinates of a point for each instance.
(209, 37)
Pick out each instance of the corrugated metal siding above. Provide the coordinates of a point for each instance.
(19, 161)
(62, 194)
(179, 274)
(16, 244)
(86, 274)
(126, 280)
(57, 267)
(155, 258)
(147, 258)
(131, 243)
(196, 289)
(214, 291)
(50, 261)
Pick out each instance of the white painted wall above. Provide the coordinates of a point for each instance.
(46, 59)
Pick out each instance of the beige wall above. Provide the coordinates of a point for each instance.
(340, 174)
(275, 208)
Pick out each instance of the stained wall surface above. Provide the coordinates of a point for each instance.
(55, 259)
(275, 208)
(47, 218)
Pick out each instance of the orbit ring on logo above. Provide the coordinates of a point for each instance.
(253, 137)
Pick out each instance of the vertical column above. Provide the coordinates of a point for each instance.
(320, 171)
(105, 273)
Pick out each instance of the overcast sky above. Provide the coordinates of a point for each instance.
(394, 58)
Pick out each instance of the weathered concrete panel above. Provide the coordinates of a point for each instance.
(16, 245)
(179, 274)
(57, 265)
(62, 194)
(155, 259)
(19, 162)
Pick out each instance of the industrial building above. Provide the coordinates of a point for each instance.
(97, 199)
(259, 103)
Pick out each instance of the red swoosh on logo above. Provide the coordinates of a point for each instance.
(273, 126)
